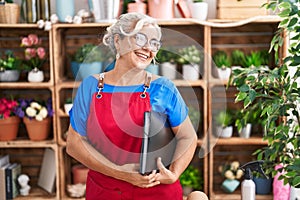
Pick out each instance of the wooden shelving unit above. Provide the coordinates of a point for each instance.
(209, 93)
(23, 150)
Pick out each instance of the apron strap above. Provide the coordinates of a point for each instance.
(100, 85)
(147, 84)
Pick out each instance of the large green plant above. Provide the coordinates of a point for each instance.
(278, 92)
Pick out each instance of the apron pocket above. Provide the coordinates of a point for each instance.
(96, 191)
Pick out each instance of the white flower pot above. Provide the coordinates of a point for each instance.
(190, 72)
(224, 73)
(67, 107)
(198, 10)
(9, 75)
(294, 193)
(35, 76)
(168, 70)
(246, 131)
(224, 132)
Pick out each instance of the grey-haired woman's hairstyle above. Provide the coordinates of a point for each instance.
(127, 25)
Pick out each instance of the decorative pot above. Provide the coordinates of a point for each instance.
(152, 68)
(187, 190)
(9, 75)
(35, 76)
(68, 107)
(190, 72)
(137, 7)
(168, 70)
(224, 132)
(104, 9)
(198, 10)
(37, 130)
(9, 128)
(224, 73)
(163, 9)
(294, 193)
(87, 69)
(246, 131)
(263, 185)
(79, 173)
(65, 9)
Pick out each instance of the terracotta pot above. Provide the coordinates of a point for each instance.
(79, 173)
(37, 130)
(9, 128)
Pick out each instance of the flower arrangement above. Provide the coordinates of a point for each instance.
(35, 55)
(7, 108)
(231, 170)
(34, 109)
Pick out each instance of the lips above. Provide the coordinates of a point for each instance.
(142, 55)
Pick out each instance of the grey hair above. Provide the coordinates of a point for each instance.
(127, 25)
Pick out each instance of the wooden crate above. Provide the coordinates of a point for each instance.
(240, 9)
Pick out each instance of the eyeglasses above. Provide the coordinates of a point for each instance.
(142, 39)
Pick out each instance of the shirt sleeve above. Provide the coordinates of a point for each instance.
(81, 105)
(166, 98)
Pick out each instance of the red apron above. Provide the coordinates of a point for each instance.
(115, 128)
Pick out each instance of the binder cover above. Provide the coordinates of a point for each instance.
(158, 141)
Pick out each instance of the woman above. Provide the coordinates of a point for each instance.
(107, 118)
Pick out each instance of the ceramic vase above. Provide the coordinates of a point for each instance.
(168, 70)
(79, 172)
(190, 72)
(37, 130)
(198, 10)
(9, 128)
(162, 9)
(35, 76)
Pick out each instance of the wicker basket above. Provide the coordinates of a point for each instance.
(9, 13)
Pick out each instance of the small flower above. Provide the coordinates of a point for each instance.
(43, 112)
(30, 111)
(7, 108)
(35, 105)
(235, 165)
(229, 175)
(33, 38)
(239, 174)
(231, 170)
(39, 117)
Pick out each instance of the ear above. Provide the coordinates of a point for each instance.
(117, 41)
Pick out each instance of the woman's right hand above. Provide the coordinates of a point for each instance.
(135, 178)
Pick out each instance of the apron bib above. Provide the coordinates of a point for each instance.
(115, 128)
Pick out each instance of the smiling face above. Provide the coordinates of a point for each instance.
(138, 51)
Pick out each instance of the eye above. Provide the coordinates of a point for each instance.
(140, 39)
(155, 44)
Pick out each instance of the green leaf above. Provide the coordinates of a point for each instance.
(296, 181)
(241, 96)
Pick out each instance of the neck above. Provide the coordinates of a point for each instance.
(123, 75)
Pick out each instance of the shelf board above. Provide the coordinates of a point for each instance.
(37, 193)
(238, 197)
(28, 85)
(22, 143)
(239, 141)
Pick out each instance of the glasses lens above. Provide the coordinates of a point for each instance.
(140, 39)
(155, 44)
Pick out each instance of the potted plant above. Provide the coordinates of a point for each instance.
(87, 60)
(167, 62)
(190, 58)
(278, 91)
(36, 117)
(35, 57)
(198, 9)
(263, 184)
(191, 179)
(237, 58)
(9, 122)
(68, 105)
(231, 172)
(254, 59)
(224, 121)
(10, 67)
(223, 65)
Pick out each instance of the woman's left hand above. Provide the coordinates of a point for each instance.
(165, 176)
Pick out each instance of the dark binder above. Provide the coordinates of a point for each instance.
(158, 141)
